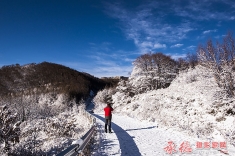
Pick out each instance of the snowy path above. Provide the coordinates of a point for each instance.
(133, 138)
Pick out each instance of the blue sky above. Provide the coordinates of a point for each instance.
(103, 38)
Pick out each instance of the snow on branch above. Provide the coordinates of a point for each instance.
(9, 128)
(220, 59)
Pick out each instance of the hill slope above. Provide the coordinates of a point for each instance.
(16, 80)
(193, 103)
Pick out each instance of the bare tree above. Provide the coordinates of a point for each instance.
(182, 64)
(144, 62)
(157, 70)
(220, 60)
(192, 59)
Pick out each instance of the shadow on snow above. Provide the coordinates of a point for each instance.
(127, 144)
(105, 144)
(140, 128)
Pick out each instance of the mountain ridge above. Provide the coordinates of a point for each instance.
(16, 80)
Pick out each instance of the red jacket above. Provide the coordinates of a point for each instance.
(107, 111)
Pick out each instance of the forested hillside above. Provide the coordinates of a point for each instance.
(16, 80)
(40, 106)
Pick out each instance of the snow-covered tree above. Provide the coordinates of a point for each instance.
(153, 71)
(9, 128)
(220, 59)
(102, 97)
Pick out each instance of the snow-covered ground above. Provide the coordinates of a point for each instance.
(51, 135)
(193, 105)
(132, 137)
(193, 108)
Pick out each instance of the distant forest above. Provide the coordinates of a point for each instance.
(16, 80)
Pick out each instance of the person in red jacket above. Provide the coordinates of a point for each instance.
(108, 116)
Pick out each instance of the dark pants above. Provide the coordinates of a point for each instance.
(108, 122)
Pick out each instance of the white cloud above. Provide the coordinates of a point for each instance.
(112, 71)
(206, 32)
(200, 11)
(158, 45)
(146, 44)
(177, 56)
(148, 32)
(209, 31)
(177, 45)
(106, 65)
(129, 60)
(190, 48)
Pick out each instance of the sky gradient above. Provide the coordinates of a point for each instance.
(103, 38)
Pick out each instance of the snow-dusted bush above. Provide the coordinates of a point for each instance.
(32, 144)
(48, 136)
(9, 128)
(193, 103)
(49, 124)
(59, 127)
(47, 111)
(28, 150)
(126, 87)
(102, 98)
(32, 107)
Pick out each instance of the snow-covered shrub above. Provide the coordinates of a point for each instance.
(127, 88)
(9, 128)
(59, 127)
(49, 136)
(49, 124)
(47, 111)
(38, 106)
(102, 98)
(139, 84)
(231, 136)
(31, 146)
(28, 150)
(191, 78)
(193, 103)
